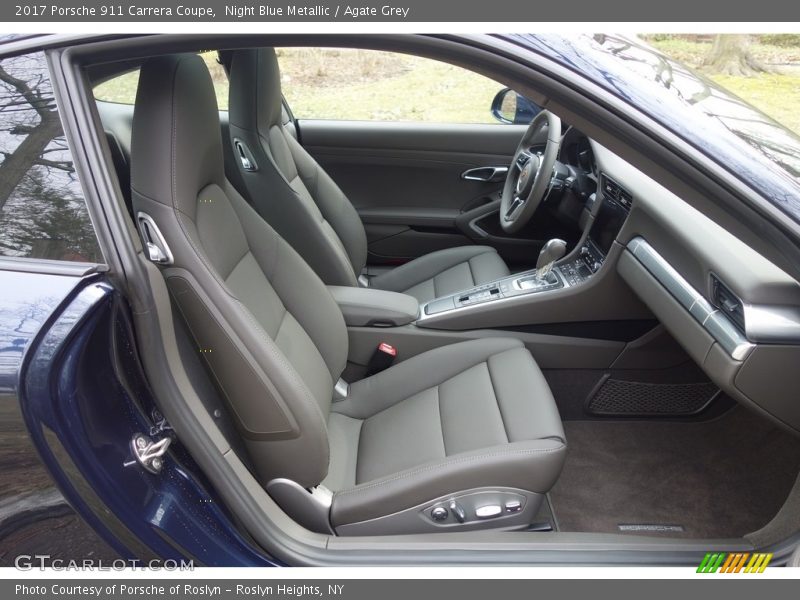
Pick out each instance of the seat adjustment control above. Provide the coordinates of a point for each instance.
(489, 511)
(439, 513)
(473, 509)
(458, 511)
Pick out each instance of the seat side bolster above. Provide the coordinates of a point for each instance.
(531, 465)
(335, 207)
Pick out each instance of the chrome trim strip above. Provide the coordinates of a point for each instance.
(494, 174)
(24, 264)
(715, 322)
(423, 316)
(155, 246)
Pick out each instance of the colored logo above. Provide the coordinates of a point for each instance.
(738, 562)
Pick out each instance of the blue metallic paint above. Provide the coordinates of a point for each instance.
(83, 397)
(696, 109)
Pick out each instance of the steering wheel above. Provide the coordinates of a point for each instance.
(530, 173)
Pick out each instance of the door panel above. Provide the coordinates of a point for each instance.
(82, 395)
(405, 178)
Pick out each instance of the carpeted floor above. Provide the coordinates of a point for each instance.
(716, 479)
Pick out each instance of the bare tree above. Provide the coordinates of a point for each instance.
(730, 55)
(42, 211)
(30, 103)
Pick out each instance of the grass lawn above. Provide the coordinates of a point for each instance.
(777, 94)
(360, 85)
(370, 85)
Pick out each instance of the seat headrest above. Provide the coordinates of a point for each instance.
(176, 142)
(255, 99)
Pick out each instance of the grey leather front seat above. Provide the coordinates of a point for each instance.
(298, 198)
(467, 432)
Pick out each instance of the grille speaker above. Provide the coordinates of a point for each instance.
(617, 397)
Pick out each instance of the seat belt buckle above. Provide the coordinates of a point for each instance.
(382, 358)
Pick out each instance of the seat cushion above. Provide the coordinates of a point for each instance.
(468, 415)
(444, 272)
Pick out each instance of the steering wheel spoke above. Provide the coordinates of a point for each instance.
(516, 204)
(529, 175)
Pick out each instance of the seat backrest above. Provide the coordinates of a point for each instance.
(265, 324)
(287, 186)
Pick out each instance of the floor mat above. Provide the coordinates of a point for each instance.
(717, 479)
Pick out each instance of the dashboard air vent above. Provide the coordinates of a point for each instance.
(616, 192)
(727, 302)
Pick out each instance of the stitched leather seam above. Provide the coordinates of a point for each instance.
(358, 448)
(271, 347)
(280, 325)
(236, 264)
(471, 272)
(466, 368)
(437, 390)
(449, 463)
(496, 399)
(278, 356)
(336, 242)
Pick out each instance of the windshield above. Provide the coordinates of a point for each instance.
(722, 125)
(753, 126)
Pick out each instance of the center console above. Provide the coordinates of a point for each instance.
(570, 273)
(579, 267)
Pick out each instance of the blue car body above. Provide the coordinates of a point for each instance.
(70, 366)
(72, 391)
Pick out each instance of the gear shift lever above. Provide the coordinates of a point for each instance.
(552, 251)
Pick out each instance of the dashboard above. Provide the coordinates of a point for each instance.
(735, 313)
(645, 252)
(605, 205)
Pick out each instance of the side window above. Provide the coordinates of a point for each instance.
(369, 85)
(42, 209)
(122, 89)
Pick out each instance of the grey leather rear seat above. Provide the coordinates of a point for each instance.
(466, 429)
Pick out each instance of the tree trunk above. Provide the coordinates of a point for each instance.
(17, 164)
(730, 55)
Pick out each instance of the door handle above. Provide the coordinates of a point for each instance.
(485, 174)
